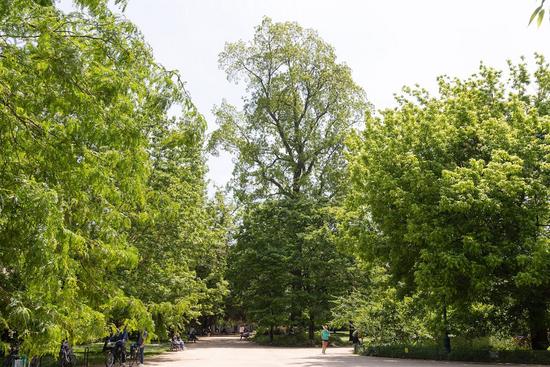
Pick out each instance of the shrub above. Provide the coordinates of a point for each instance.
(436, 352)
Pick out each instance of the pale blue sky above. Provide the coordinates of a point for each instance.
(387, 44)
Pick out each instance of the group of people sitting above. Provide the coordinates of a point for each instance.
(244, 332)
(177, 343)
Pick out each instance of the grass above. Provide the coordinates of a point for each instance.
(96, 356)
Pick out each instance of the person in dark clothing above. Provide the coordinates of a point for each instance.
(120, 339)
(141, 345)
(355, 337)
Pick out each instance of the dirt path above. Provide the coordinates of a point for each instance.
(231, 352)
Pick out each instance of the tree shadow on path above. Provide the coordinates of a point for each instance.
(362, 361)
(222, 342)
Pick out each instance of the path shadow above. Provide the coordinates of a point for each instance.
(234, 342)
(160, 359)
(362, 361)
(221, 342)
(330, 360)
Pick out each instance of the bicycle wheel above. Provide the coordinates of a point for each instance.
(120, 359)
(35, 362)
(64, 360)
(71, 360)
(133, 359)
(109, 359)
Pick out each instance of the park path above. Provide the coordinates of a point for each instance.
(229, 351)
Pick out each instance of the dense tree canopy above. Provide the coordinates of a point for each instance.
(301, 105)
(438, 206)
(97, 179)
(289, 143)
(297, 270)
(465, 175)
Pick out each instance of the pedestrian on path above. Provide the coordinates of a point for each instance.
(141, 345)
(325, 336)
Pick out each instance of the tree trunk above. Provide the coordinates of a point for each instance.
(537, 326)
(271, 334)
(311, 330)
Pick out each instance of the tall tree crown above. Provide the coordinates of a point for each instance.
(301, 104)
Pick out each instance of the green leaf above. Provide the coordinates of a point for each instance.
(540, 18)
(535, 14)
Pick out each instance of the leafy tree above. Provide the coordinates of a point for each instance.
(258, 270)
(320, 270)
(289, 143)
(87, 146)
(172, 230)
(464, 211)
(71, 88)
(301, 105)
(283, 269)
(381, 314)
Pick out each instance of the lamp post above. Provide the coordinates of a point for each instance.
(446, 339)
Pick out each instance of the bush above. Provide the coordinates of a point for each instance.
(457, 354)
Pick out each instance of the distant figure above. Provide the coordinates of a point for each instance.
(351, 330)
(245, 333)
(141, 345)
(355, 337)
(180, 343)
(241, 331)
(325, 336)
(120, 343)
(193, 335)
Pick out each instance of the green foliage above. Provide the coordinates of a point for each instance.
(467, 354)
(283, 270)
(538, 14)
(289, 144)
(301, 105)
(465, 176)
(103, 215)
(297, 340)
(381, 315)
(258, 269)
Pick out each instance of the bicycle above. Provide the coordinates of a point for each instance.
(133, 358)
(12, 356)
(115, 353)
(66, 356)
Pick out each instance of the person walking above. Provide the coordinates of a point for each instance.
(141, 345)
(351, 330)
(325, 336)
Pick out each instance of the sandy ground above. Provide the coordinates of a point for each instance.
(231, 352)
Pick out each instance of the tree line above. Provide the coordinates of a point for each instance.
(104, 218)
(414, 222)
(390, 218)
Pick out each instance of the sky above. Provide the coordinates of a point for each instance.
(387, 44)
